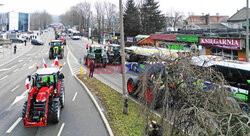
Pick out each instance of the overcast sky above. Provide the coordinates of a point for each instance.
(197, 7)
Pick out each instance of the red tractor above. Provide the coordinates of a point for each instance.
(45, 98)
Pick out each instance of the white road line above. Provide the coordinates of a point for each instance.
(46, 53)
(14, 125)
(74, 97)
(4, 69)
(4, 77)
(15, 70)
(64, 63)
(60, 131)
(15, 88)
(20, 60)
(24, 64)
(32, 66)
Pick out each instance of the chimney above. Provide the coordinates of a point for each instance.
(207, 19)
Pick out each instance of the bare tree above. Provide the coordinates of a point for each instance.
(40, 20)
(111, 11)
(99, 9)
(174, 19)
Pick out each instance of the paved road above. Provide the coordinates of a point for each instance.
(79, 116)
(112, 78)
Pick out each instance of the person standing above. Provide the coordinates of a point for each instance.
(25, 42)
(15, 49)
(92, 68)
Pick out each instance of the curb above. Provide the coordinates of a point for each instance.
(17, 56)
(105, 121)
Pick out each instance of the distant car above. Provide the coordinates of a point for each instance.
(36, 42)
(17, 40)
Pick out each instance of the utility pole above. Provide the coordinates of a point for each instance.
(125, 93)
(247, 36)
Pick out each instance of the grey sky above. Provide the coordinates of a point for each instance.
(197, 7)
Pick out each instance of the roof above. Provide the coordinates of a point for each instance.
(56, 40)
(47, 71)
(209, 60)
(239, 15)
(142, 36)
(165, 37)
(146, 41)
(212, 26)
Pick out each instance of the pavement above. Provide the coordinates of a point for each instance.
(79, 117)
(7, 52)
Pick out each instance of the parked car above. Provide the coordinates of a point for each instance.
(37, 42)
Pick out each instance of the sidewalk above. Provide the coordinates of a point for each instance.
(7, 52)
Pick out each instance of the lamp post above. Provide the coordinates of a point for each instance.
(247, 36)
(125, 93)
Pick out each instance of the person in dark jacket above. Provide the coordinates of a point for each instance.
(153, 129)
(92, 68)
(15, 49)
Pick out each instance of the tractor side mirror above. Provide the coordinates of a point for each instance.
(61, 76)
(248, 81)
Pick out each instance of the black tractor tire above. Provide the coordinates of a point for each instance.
(104, 63)
(24, 109)
(54, 112)
(84, 61)
(50, 55)
(62, 97)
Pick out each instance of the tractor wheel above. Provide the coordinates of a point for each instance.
(24, 109)
(104, 63)
(62, 98)
(88, 62)
(54, 112)
(50, 55)
(130, 87)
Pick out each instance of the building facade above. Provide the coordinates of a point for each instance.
(14, 21)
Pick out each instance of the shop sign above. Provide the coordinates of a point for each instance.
(233, 44)
(184, 38)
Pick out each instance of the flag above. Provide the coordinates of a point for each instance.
(44, 63)
(27, 84)
(56, 62)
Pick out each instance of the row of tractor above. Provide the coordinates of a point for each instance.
(46, 91)
(103, 55)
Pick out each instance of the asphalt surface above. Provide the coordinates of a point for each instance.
(79, 116)
(111, 75)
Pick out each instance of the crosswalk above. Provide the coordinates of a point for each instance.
(73, 64)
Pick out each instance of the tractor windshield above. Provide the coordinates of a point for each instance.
(44, 80)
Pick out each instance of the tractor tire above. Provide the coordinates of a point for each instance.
(88, 62)
(104, 63)
(62, 98)
(24, 109)
(50, 55)
(54, 112)
(131, 87)
(85, 61)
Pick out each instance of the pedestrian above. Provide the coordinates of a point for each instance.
(92, 68)
(25, 42)
(15, 49)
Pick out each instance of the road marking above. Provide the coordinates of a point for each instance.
(60, 131)
(24, 64)
(74, 97)
(14, 125)
(16, 70)
(20, 60)
(47, 53)
(64, 63)
(4, 69)
(12, 66)
(32, 66)
(4, 77)
(15, 88)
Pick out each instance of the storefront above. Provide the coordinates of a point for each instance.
(225, 47)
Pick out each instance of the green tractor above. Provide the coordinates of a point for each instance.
(96, 53)
(56, 49)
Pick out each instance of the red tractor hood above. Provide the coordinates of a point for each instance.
(41, 96)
